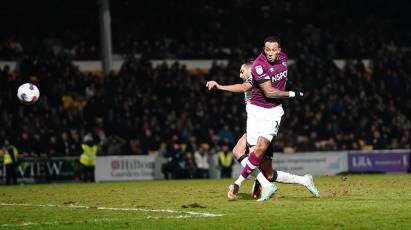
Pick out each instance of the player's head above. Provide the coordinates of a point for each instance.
(245, 70)
(272, 48)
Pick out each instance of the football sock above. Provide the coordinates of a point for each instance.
(263, 181)
(257, 174)
(251, 164)
(240, 159)
(243, 162)
(239, 180)
(289, 178)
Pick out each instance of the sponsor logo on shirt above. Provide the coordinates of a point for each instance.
(279, 76)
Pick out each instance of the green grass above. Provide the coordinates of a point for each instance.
(347, 202)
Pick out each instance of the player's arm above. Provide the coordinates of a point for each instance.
(235, 88)
(272, 92)
(264, 81)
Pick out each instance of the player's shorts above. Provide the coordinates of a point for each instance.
(262, 122)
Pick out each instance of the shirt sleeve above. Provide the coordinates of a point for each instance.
(249, 79)
(259, 74)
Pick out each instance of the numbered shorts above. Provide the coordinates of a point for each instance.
(262, 122)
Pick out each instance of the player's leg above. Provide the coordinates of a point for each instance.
(269, 126)
(239, 149)
(253, 162)
(260, 178)
(239, 153)
(260, 138)
(266, 166)
(260, 132)
(288, 178)
(256, 188)
(267, 170)
(269, 189)
(284, 177)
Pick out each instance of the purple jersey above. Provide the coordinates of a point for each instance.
(263, 71)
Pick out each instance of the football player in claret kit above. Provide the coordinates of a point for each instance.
(264, 113)
(239, 150)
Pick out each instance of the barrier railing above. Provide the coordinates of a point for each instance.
(43, 170)
(121, 168)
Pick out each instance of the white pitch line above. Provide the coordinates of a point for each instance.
(63, 222)
(188, 213)
(67, 222)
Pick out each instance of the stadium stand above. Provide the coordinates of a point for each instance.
(304, 25)
(143, 108)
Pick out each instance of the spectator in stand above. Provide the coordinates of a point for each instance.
(226, 135)
(192, 145)
(176, 166)
(202, 159)
(164, 101)
(113, 145)
(54, 148)
(225, 160)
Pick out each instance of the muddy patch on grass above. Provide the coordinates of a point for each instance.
(193, 205)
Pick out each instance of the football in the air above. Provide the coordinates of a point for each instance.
(28, 93)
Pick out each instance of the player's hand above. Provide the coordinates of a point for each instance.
(299, 94)
(212, 85)
(296, 94)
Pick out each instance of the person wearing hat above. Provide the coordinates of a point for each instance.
(88, 158)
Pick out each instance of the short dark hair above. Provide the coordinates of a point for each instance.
(248, 61)
(248, 64)
(272, 39)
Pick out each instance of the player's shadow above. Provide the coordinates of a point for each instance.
(244, 196)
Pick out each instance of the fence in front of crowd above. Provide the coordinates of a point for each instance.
(44, 170)
(128, 168)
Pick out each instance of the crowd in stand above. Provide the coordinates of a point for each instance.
(144, 108)
(205, 29)
(167, 109)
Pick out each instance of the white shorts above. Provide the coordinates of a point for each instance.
(262, 122)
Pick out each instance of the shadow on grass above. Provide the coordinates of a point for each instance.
(247, 196)
(244, 196)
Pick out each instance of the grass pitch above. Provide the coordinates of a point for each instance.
(347, 202)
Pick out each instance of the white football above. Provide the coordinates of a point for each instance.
(28, 93)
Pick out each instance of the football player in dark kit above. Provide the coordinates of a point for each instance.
(264, 113)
